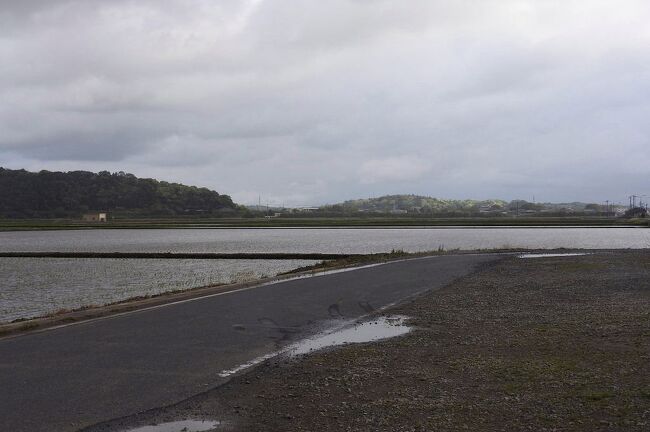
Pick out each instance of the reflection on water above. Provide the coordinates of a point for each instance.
(36, 286)
(353, 240)
(179, 426)
(379, 328)
(31, 287)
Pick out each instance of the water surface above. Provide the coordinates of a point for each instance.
(37, 286)
(342, 334)
(179, 426)
(376, 329)
(323, 240)
(34, 286)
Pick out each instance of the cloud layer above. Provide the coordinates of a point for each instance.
(321, 101)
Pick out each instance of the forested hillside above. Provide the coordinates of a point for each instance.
(417, 204)
(47, 194)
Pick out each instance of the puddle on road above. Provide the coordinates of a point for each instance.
(179, 426)
(549, 255)
(379, 328)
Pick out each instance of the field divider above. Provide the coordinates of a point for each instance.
(179, 255)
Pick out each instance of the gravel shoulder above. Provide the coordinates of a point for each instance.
(549, 344)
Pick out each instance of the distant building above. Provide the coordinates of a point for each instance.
(95, 217)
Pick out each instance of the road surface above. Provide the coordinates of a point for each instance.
(68, 378)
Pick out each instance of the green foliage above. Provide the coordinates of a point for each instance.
(417, 204)
(49, 194)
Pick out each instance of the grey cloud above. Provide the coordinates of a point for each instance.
(331, 100)
(111, 145)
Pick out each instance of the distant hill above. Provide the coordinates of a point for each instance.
(424, 205)
(416, 204)
(48, 194)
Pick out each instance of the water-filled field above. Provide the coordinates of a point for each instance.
(37, 286)
(326, 240)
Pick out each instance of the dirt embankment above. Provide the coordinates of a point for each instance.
(539, 344)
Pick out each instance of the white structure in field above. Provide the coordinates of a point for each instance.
(95, 217)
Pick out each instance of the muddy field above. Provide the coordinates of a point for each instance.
(549, 344)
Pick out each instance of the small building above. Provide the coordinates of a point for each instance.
(306, 209)
(95, 217)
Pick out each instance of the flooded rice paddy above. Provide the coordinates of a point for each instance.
(33, 287)
(325, 240)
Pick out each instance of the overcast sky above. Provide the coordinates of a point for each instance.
(312, 101)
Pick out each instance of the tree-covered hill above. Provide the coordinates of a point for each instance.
(416, 204)
(47, 194)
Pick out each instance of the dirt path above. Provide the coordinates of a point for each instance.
(539, 344)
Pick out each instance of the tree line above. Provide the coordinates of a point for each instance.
(48, 194)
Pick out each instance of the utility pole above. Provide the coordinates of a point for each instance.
(606, 207)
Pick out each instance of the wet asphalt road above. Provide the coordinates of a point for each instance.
(69, 378)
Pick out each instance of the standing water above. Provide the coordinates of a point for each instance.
(325, 240)
(35, 286)
(179, 426)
